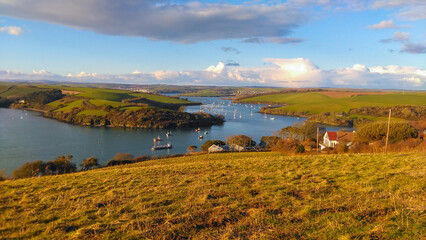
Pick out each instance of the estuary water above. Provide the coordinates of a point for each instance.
(27, 136)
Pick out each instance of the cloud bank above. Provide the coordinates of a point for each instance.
(183, 22)
(296, 72)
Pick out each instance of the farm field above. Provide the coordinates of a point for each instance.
(318, 102)
(244, 195)
(13, 90)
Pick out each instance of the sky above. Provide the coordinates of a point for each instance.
(377, 44)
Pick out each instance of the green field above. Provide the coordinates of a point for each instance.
(161, 98)
(67, 106)
(131, 108)
(103, 103)
(15, 90)
(105, 97)
(222, 196)
(313, 102)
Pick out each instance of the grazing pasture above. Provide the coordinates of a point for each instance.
(319, 102)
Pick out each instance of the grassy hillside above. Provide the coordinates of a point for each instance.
(256, 195)
(316, 102)
(9, 90)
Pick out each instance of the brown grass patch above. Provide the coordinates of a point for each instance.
(69, 92)
(338, 94)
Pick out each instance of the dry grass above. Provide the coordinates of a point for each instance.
(342, 94)
(221, 196)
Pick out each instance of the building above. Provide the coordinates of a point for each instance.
(215, 148)
(331, 139)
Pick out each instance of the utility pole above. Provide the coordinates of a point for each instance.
(387, 134)
(317, 139)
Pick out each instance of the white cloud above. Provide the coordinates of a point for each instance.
(383, 25)
(82, 75)
(41, 72)
(296, 72)
(216, 69)
(11, 30)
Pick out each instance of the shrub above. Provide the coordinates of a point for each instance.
(286, 145)
(341, 147)
(29, 169)
(142, 158)
(89, 163)
(63, 164)
(241, 140)
(377, 131)
(269, 141)
(120, 159)
(2, 176)
(300, 148)
(191, 148)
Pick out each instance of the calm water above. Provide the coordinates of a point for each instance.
(27, 136)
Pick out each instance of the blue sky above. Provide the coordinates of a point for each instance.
(297, 43)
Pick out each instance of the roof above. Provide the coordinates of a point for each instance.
(339, 136)
(332, 136)
(215, 148)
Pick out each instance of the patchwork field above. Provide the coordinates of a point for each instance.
(246, 195)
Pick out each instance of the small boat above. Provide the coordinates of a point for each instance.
(157, 139)
(167, 146)
(206, 132)
(169, 134)
(272, 118)
(197, 130)
(200, 137)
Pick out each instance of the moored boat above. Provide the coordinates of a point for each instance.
(167, 146)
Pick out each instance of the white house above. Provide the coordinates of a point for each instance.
(331, 139)
(215, 148)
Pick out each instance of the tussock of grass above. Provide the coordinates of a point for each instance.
(256, 195)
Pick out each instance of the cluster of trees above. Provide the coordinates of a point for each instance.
(60, 165)
(399, 111)
(44, 97)
(300, 131)
(377, 131)
(142, 118)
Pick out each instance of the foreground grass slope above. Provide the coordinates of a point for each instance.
(264, 195)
